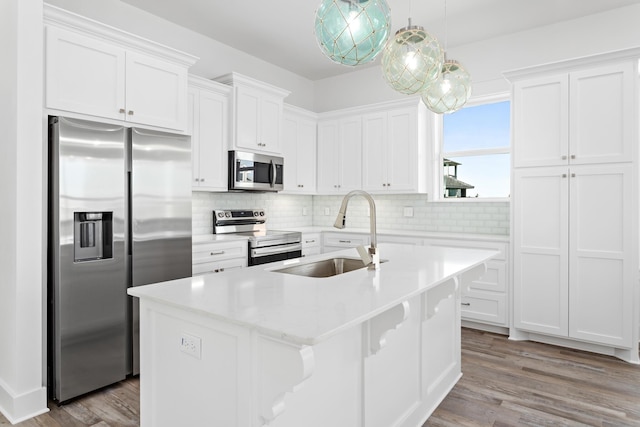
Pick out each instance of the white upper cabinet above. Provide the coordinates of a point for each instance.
(256, 114)
(601, 107)
(541, 121)
(340, 155)
(95, 70)
(577, 117)
(393, 160)
(299, 150)
(383, 148)
(209, 128)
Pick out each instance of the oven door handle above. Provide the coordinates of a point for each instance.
(271, 250)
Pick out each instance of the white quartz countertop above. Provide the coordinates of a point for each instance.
(306, 310)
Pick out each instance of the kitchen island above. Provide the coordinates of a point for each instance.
(257, 346)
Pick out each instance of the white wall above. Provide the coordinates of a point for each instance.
(22, 211)
(215, 58)
(487, 60)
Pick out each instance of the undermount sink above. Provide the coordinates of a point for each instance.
(324, 268)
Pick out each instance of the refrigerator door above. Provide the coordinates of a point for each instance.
(87, 273)
(160, 205)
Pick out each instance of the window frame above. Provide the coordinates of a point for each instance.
(440, 154)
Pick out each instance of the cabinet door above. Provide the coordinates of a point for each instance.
(540, 238)
(193, 120)
(329, 159)
(541, 121)
(247, 118)
(156, 92)
(84, 75)
(299, 150)
(350, 154)
(374, 152)
(402, 150)
(290, 153)
(602, 107)
(270, 124)
(213, 140)
(601, 249)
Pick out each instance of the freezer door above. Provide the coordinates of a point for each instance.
(87, 274)
(160, 205)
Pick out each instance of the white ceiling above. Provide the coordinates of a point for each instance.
(281, 31)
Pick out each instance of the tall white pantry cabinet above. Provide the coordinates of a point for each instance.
(575, 204)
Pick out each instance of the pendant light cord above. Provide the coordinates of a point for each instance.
(446, 30)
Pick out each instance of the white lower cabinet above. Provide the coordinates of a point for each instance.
(484, 300)
(216, 257)
(311, 244)
(574, 266)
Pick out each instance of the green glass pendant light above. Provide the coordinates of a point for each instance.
(352, 32)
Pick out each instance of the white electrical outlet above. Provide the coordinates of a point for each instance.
(327, 211)
(191, 345)
(408, 211)
(304, 211)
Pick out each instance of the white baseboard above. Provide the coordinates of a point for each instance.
(18, 408)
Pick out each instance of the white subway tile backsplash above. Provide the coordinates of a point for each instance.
(286, 211)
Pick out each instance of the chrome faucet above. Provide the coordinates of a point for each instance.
(371, 257)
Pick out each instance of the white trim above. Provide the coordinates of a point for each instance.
(18, 408)
(62, 18)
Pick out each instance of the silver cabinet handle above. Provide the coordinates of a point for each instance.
(122, 111)
(309, 241)
(344, 241)
(564, 157)
(573, 156)
(217, 253)
(564, 175)
(573, 175)
(130, 112)
(466, 304)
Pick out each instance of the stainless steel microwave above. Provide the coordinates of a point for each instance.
(255, 172)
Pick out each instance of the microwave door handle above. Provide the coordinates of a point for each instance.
(274, 172)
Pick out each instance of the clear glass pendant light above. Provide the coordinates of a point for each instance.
(352, 32)
(450, 91)
(412, 60)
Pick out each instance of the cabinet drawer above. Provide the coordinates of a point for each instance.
(209, 252)
(310, 240)
(495, 279)
(314, 250)
(485, 307)
(345, 241)
(218, 266)
(471, 244)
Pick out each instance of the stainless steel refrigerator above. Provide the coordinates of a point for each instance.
(119, 216)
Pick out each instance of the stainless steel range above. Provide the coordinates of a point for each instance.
(264, 245)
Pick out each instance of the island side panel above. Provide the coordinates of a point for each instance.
(187, 382)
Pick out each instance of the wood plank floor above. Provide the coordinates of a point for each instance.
(505, 383)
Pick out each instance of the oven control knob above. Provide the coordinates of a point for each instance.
(227, 214)
(261, 213)
(220, 214)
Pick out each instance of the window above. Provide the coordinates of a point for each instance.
(475, 151)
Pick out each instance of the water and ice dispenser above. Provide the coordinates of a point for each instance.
(92, 235)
